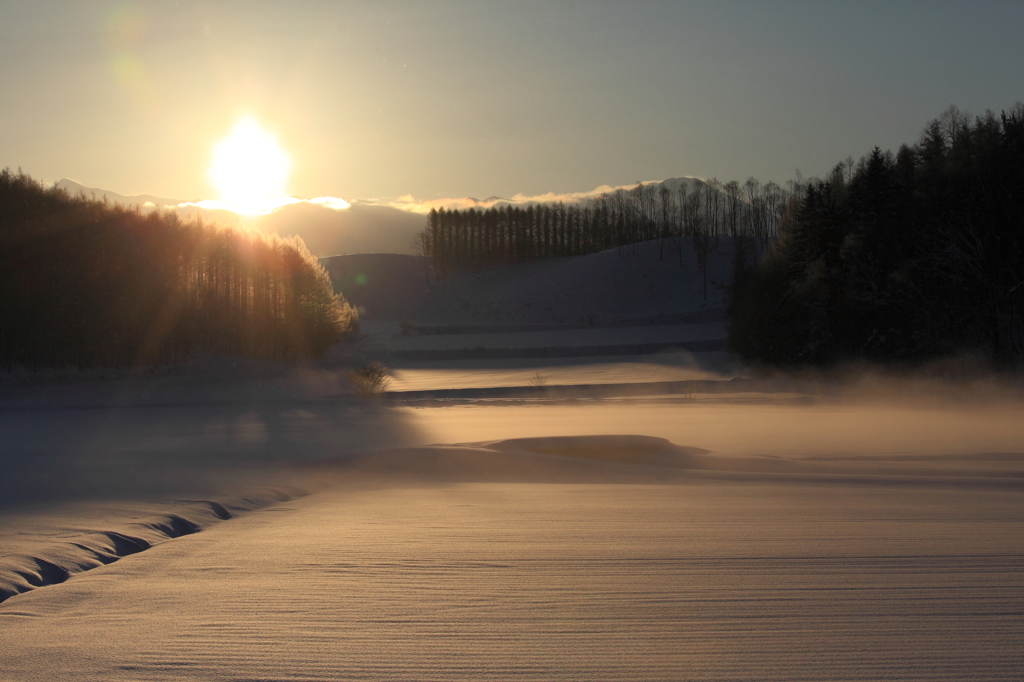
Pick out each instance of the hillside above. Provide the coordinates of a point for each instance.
(384, 285)
(637, 283)
(361, 228)
(614, 317)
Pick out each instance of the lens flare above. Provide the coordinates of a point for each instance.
(249, 169)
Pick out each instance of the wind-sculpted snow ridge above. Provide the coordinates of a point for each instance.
(55, 563)
(642, 459)
(506, 461)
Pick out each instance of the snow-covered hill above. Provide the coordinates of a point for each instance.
(643, 283)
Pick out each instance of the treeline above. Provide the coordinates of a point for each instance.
(85, 283)
(690, 213)
(899, 257)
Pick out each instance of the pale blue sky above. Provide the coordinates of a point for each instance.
(471, 98)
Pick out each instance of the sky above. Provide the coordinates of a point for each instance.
(455, 99)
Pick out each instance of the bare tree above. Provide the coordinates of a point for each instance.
(954, 124)
(679, 233)
(775, 201)
(421, 248)
(667, 211)
(699, 230)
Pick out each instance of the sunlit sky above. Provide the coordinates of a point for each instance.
(450, 99)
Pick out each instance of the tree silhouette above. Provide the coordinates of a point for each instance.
(86, 283)
(906, 258)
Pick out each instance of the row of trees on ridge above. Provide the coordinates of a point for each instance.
(679, 214)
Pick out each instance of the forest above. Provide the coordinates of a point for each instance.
(84, 283)
(679, 214)
(898, 258)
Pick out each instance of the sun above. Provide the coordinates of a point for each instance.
(249, 169)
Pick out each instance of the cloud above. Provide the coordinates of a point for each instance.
(335, 203)
(410, 204)
(407, 203)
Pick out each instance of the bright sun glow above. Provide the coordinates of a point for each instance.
(249, 169)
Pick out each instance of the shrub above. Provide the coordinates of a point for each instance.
(373, 379)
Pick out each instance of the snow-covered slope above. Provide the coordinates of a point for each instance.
(639, 284)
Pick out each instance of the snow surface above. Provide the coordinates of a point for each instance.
(787, 536)
(157, 526)
(641, 281)
(684, 578)
(626, 314)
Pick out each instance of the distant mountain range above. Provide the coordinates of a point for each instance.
(363, 227)
(139, 200)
